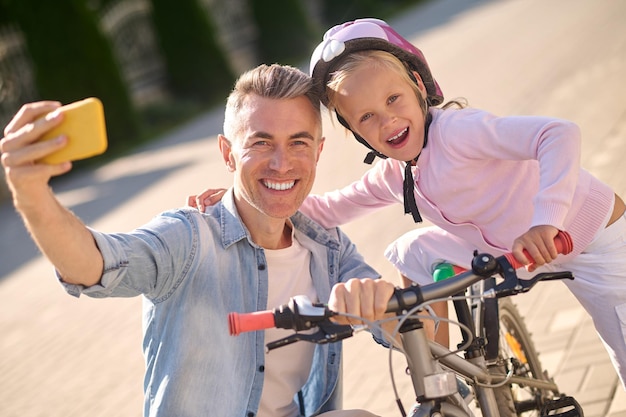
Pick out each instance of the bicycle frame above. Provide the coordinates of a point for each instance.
(433, 384)
(433, 368)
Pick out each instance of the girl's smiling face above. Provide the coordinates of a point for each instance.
(380, 105)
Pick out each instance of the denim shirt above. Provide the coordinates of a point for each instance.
(193, 269)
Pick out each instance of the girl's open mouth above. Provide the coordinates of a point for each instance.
(399, 138)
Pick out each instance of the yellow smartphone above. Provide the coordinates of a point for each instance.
(83, 124)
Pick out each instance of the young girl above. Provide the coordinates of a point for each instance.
(487, 183)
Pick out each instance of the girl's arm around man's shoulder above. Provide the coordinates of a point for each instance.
(379, 187)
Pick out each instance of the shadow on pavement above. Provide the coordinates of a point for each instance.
(16, 246)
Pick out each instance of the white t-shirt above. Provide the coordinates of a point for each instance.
(286, 368)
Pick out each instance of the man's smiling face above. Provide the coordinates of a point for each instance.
(275, 156)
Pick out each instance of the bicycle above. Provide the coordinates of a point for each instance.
(500, 368)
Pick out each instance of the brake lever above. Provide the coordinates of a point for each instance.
(527, 284)
(513, 285)
(553, 276)
(328, 332)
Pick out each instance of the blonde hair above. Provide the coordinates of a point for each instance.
(268, 81)
(371, 58)
(377, 59)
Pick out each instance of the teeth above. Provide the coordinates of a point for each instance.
(391, 139)
(280, 186)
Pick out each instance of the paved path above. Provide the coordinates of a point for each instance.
(65, 357)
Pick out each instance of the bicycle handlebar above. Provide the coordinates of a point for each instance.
(248, 322)
(298, 314)
(301, 314)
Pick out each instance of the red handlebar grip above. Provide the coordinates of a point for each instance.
(249, 322)
(562, 241)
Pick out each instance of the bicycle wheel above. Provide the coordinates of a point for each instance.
(517, 353)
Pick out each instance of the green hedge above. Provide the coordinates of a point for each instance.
(335, 12)
(73, 60)
(196, 65)
(286, 33)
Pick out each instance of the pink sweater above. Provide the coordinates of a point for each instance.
(486, 179)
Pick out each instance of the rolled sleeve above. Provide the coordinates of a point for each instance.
(150, 260)
(114, 261)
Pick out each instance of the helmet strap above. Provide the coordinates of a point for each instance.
(408, 186)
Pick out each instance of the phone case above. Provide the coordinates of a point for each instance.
(85, 128)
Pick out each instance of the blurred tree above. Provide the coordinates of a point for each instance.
(73, 60)
(335, 12)
(196, 65)
(286, 34)
(4, 13)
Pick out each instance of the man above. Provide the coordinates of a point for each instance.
(250, 252)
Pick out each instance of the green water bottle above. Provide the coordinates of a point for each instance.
(443, 270)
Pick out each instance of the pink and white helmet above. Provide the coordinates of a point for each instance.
(366, 34)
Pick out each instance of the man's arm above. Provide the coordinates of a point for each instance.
(60, 235)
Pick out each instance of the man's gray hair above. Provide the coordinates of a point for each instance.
(268, 81)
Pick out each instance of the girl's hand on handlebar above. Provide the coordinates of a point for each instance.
(365, 298)
(206, 198)
(539, 243)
